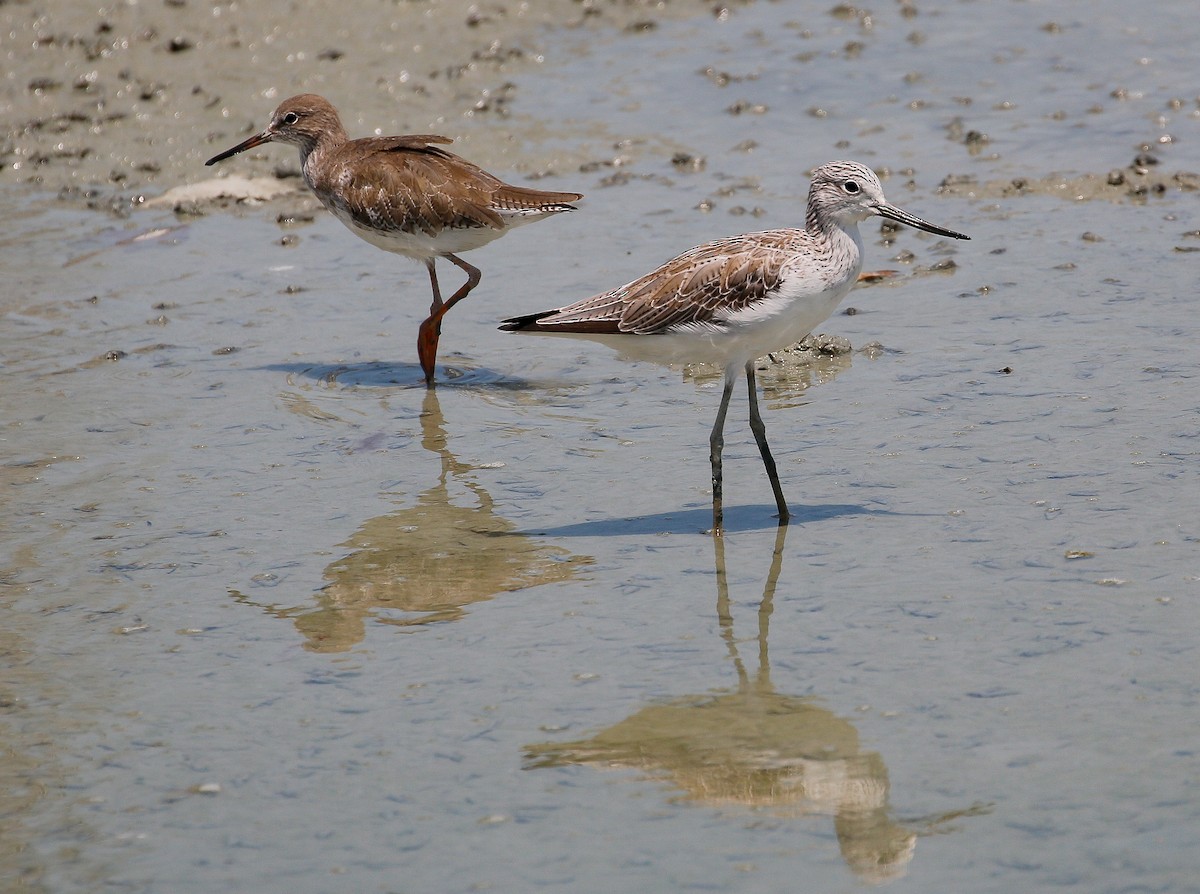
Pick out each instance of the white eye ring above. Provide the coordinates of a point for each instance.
(851, 186)
(291, 118)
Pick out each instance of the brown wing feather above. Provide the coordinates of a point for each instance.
(700, 286)
(404, 183)
(407, 141)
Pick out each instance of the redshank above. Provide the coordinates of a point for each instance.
(406, 195)
(731, 301)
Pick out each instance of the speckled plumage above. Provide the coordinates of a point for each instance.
(405, 194)
(733, 300)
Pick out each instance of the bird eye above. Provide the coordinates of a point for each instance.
(851, 187)
(291, 118)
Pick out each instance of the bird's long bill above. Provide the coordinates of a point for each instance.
(891, 212)
(257, 140)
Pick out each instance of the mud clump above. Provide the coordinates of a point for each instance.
(1135, 183)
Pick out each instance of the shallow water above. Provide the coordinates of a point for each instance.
(277, 618)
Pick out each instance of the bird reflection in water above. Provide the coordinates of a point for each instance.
(759, 749)
(785, 376)
(427, 562)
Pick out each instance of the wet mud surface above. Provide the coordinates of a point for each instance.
(277, 618)
(126, 100)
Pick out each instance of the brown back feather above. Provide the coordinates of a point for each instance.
(405, 183)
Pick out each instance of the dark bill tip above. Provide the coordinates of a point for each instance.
(891, 212)
(257, 140)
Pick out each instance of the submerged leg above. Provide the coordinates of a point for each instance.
(428, 359)
(716, 443)
(760, 435)
(431, 329)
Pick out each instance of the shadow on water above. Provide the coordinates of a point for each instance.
(753, 748)
(427, 562)
(381, 374)
(699, 521)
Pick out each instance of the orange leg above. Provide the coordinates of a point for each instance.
(437, 292)
(431, 329)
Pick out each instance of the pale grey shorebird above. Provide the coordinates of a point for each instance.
(405, 195)
(731, 301)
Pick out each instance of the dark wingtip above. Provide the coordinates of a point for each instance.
(529, 321)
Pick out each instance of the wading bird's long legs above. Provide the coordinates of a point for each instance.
(716, 443)
(760, 435)
(431, 329)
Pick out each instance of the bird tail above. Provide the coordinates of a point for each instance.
(522, 198)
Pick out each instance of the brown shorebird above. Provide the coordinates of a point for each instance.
(406, 195)
(732, 301)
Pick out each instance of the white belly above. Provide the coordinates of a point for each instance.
(422, 246)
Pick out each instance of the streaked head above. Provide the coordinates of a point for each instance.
(846, 192)
(301, 121)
